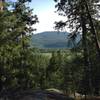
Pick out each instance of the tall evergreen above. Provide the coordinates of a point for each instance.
(15, 51)
(80, 19)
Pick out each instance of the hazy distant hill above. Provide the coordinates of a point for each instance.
(52, 39)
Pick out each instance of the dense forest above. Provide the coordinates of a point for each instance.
(69, 71)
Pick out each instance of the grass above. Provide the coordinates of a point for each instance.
(47, 54)
(88, 98)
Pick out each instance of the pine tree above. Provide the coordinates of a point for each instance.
(15, 51)
(79, 14)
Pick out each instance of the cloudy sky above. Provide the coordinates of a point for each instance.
(45, 10)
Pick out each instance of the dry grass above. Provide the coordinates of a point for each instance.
(89, 98)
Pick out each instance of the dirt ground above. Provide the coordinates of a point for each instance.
(36, 95)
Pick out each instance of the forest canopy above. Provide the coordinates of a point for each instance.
(24, 67)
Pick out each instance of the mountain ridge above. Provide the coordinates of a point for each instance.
(51, 39)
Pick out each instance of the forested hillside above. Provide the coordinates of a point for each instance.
(54, 39)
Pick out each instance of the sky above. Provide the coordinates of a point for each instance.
(45, 10)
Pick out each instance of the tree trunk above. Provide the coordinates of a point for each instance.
(95, 40)
(87, 63)
(92, 28)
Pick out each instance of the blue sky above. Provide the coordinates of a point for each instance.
(42, 5)
(45, 12)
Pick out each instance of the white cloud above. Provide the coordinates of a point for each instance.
(46, 20)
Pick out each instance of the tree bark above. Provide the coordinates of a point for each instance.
(87, 63)
(95, 40)
(92, 28)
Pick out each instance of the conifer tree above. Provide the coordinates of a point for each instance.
(80, 14)
(15, 51)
